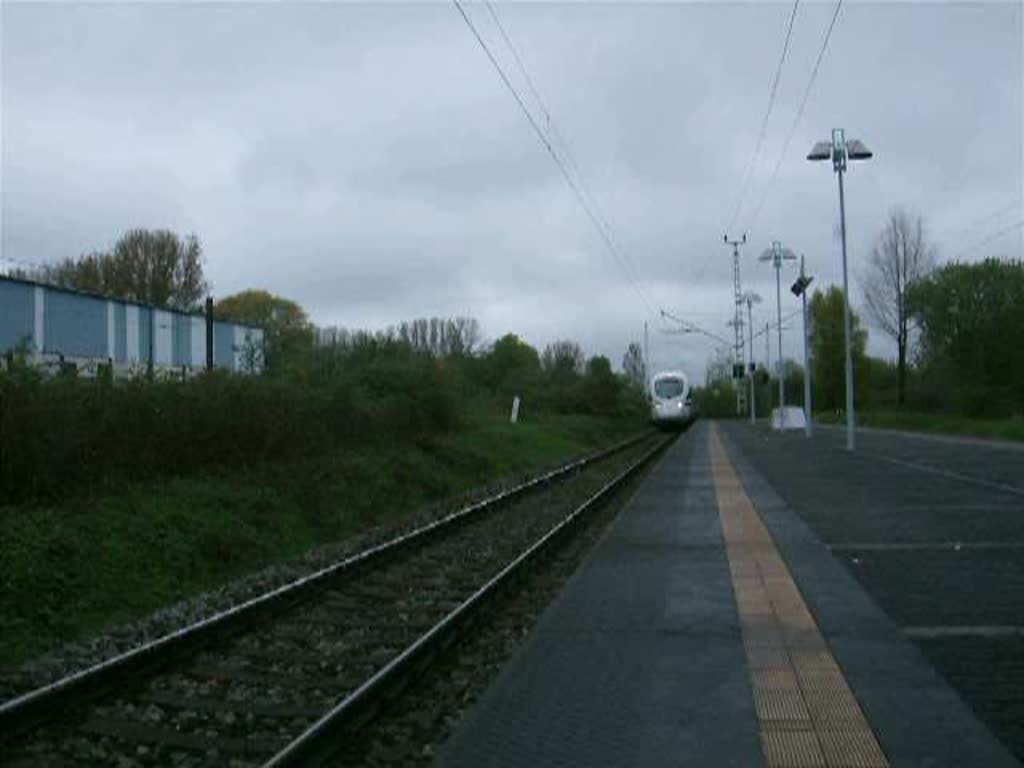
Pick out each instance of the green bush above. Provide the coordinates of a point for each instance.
(59, 435)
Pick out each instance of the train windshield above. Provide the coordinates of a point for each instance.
(668, 388)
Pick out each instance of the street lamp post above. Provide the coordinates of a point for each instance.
(839, 150)
(752, 298)
(800, 289)
(776, 255)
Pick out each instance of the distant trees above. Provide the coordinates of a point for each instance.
(719, 368)
(633, 365)
(441, 336)
(972, 320)
(563, 359)
(717, 398)
(287, 330)
(828, 372)
(600, 385)
(901, 256)
(150, 266)
(561, 378)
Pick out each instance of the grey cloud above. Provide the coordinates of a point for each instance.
(366, 160)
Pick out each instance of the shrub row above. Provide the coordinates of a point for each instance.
(59, 436)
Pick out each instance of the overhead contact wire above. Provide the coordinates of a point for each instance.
(799, 114)
(764, 122)
(554, 156)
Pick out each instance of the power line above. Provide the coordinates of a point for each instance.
(554, 156)
(799, 115)
(556, 137)
(989, 239)
(959, 234)
(772, 326)
(764, 123)
(689, 327)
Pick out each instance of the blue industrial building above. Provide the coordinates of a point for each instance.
(70, 327)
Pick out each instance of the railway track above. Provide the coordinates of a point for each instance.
(281, 679)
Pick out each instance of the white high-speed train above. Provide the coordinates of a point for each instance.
(671, 404)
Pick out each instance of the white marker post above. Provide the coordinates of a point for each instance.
(515, 410)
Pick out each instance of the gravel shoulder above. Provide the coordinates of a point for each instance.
(81, 654)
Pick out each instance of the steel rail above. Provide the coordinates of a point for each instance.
(320, 741)
(33, 708)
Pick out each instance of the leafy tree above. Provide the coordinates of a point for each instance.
(765, 392)
(511, 366)
(150, 266)
(633, 365)
(287, 330)
(901, 256)
(828, 366)
(600, 386)
(793, 382)
(972, 318)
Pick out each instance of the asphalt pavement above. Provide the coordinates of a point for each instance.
(765, 599)
(932, 528)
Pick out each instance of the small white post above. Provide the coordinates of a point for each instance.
(515, 410)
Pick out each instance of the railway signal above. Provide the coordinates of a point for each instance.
(799, 288)
(751, 298)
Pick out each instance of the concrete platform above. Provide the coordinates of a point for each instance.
(660, 651)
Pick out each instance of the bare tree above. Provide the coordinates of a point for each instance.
(439, 336)
(563, 358)
(633, 364)
(901, 255)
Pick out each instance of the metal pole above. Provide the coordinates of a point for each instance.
(209, 333)
(152, 335)
(808, 429)
(737, 314)
(768, 356)
(737, 347)
(850, 422)
(753, 398)
(778, 306)
(647, 362)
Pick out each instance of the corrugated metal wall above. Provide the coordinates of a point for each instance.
(120, 333)
(17, 314)
(55, 322)
(74, 326)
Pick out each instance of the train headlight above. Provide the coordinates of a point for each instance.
(680, 404)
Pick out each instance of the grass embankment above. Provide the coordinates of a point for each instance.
(73, 567)
(914, 421)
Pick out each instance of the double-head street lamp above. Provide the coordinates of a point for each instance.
(839, 150)
(777, 254)
(751, 299)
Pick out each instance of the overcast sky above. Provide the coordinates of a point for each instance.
(367, 161)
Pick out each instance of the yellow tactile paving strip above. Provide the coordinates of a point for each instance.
(808, 715)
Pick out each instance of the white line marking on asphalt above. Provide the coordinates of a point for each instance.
(967, 631)
(923, 545)
(984, 442)
(954, 475)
